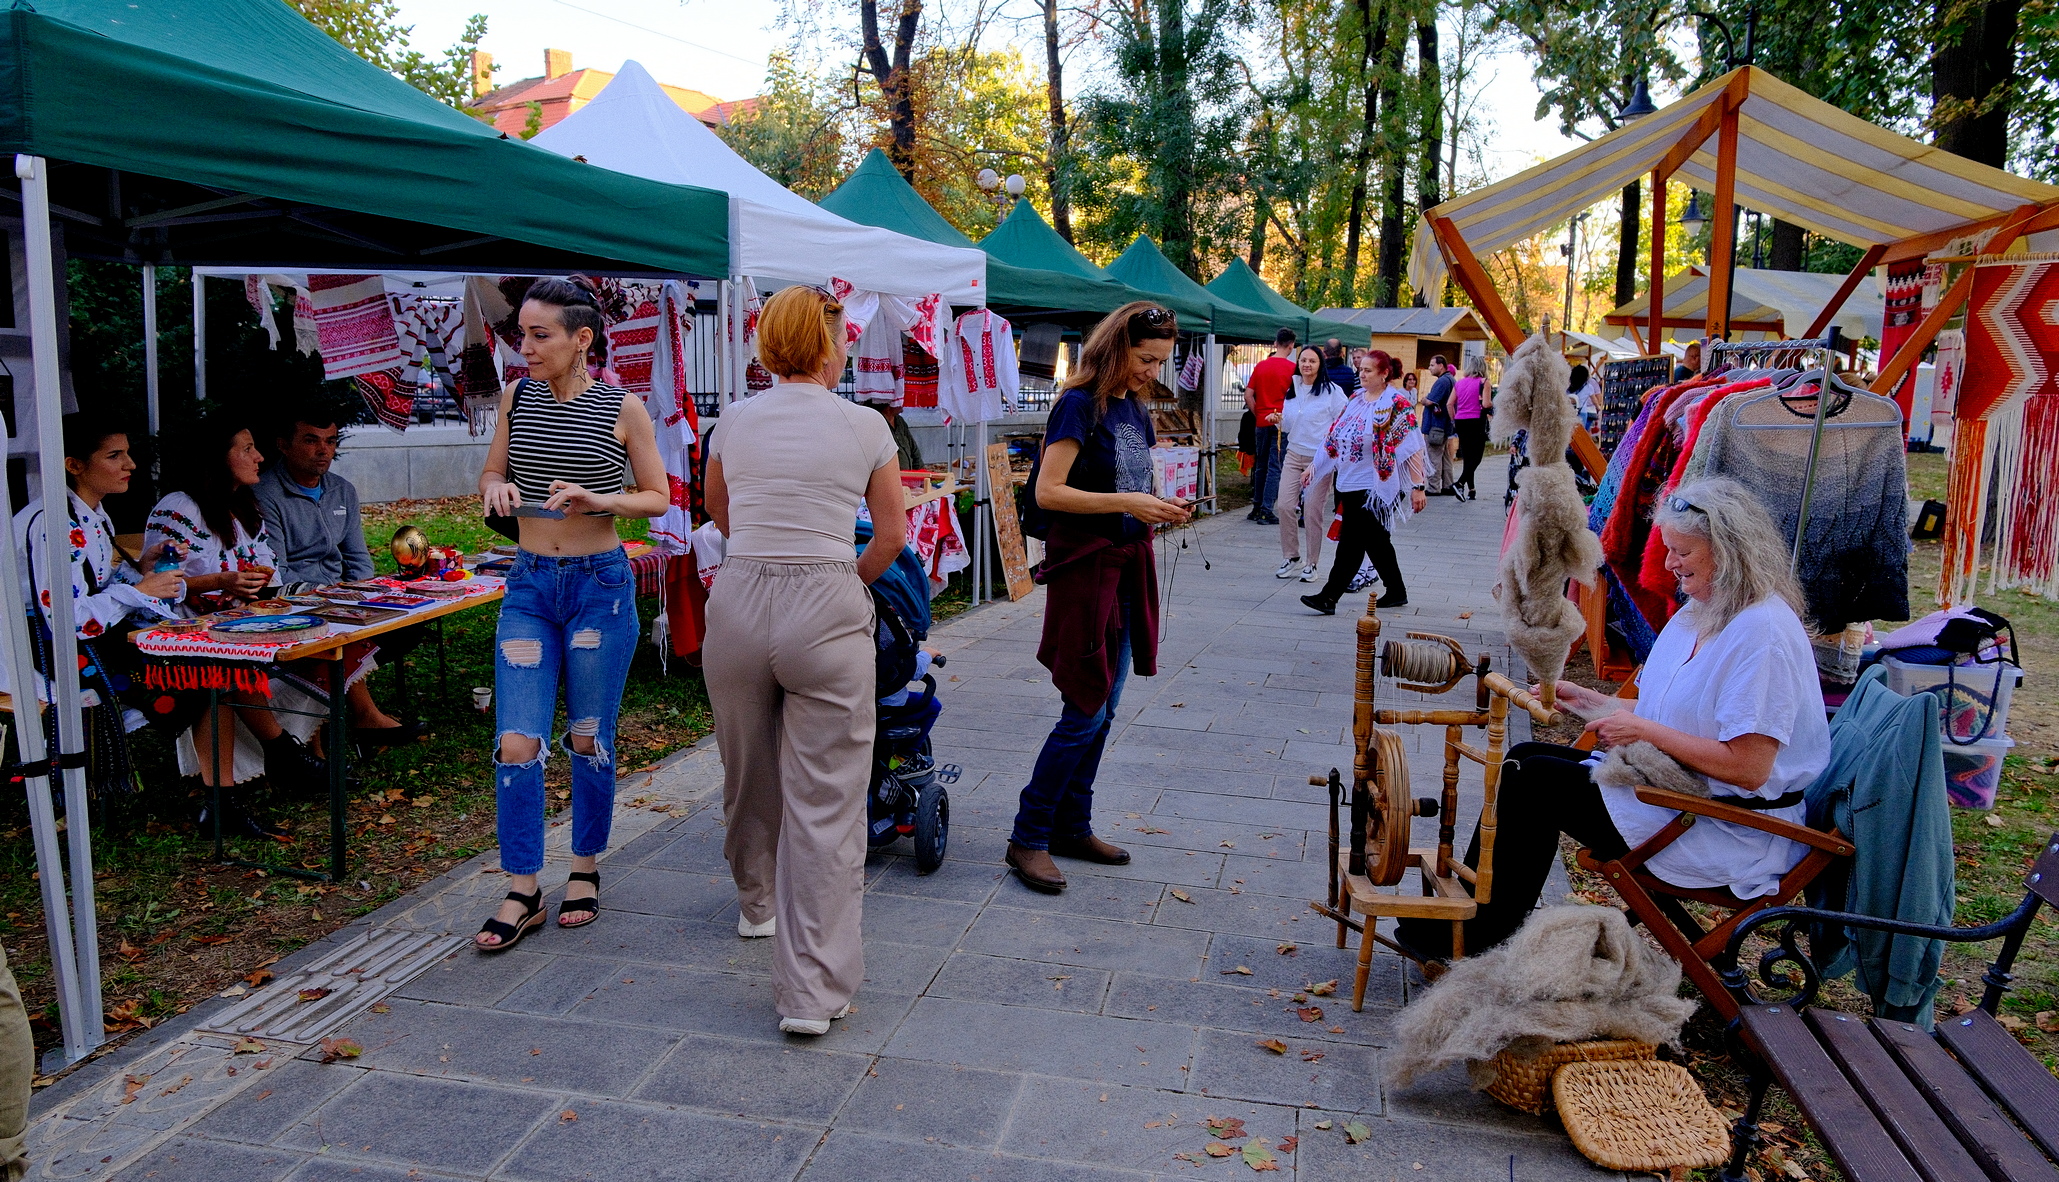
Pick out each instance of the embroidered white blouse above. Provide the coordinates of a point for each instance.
(103, 588)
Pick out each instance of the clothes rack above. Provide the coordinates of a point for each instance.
(1768, 353)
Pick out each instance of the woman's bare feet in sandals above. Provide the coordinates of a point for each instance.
(580, 890)
(515, 915)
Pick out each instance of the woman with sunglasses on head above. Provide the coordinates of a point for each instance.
(1729, 693)
(1093, 481)
(557, 464)
(1374, 452)
(790, 662)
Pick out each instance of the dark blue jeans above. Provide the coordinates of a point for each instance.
(1265, 471)
(1059, 799)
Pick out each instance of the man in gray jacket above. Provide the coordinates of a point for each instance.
(311, 517)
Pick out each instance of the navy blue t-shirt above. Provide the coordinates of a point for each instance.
(1115, 455)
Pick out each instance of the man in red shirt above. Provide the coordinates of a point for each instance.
(1264, 394)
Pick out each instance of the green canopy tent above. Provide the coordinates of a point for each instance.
(1025, 239)
(877, 195)
(1144, 265)
(1242, 286)
(232, 132)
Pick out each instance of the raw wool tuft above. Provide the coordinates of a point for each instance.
(1552, 542)
(1568, 974)
(1640, 764)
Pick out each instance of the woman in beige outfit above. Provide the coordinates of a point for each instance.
(789, 658)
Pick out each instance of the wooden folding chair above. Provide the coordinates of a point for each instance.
(1661, 907)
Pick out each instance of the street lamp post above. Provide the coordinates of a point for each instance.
(1002, 190)
(1570, 249)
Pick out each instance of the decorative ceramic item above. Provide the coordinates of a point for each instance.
(288, 629)
(410, 551)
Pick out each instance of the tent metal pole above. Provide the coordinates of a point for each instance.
(722, 390)
(150, 375)
(82, 1025)
(199, 337)
(1211, 408)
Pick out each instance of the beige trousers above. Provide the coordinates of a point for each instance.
(17, 1069)
(1303, 540)
(789, 664)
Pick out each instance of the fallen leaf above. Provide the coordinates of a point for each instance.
(1356, 1132)
(2048, 1021)
(128, 950)
(126, 1015)
(2012, 1023)
(1310, 1013)
(340, 1048)
(1239, 971)
(211, 940)
(1181, 895)
(1288, 949)
(1465, 615)
(131, 1084)
(422, 802)
(1199, 1159)
(257, 977)
(1287, 1144)
(386, 819)
(1149, 1124)
(233, 991)
(248, 1046)
(1149, 829)
(1324, 989)
(315, 994)
(567, 1117)
(1311, 1056)
(1228, 1128)
(1322, 1124)
(1258, 1157)
(1994, 820)
(183, 1081)
(382, 1008)
(1217, 1149)
(1228, 845)
(1179, 705)
(1272, 1044)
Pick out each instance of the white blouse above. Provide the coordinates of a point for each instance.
(177, 518)
(1306, 418)
(1756, 676)
(102, 581)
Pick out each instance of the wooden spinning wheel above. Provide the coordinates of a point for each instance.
(1389, 812)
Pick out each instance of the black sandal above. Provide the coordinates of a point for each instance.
(590, 908)
(511, 934)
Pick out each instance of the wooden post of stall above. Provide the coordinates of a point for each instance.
(1723, 223)
(1656, 292)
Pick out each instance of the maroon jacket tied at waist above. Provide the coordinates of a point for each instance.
(1087, 579)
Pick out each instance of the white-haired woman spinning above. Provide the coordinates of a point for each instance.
(1729, 692)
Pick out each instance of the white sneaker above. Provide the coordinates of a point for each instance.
(810, 1026)
(1308, 574)
(755, 931)
(1287, 569)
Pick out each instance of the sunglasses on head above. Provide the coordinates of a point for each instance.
(1683, 505)
(830, 304)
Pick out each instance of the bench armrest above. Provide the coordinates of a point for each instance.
(1716, 810)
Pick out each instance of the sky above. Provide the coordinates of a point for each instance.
(720, 47)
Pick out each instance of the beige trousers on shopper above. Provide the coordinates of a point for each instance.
(17, 1069)
(1315, 522)
(789, 665)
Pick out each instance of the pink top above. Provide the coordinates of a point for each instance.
(1465, 398)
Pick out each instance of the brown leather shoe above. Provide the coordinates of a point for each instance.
(1092, 849)
(1036, 869)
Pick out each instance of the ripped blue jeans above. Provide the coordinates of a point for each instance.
(571, 620)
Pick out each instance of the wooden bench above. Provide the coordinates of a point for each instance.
(1892, 1102)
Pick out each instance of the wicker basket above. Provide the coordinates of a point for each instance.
(1523, 1081)
(1639, 1116)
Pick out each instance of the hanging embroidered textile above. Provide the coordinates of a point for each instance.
(259, 295)
(389, 394)
(979, 379)
(1903, 312)
(354, 324)
(2006, 423)
(918, 373)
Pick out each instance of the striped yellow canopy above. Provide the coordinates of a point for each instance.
(1799, 159)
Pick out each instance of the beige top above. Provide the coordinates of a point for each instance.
(797, 460)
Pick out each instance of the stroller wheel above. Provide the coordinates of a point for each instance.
(932, 826)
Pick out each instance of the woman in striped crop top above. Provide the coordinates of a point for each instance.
(569, 616)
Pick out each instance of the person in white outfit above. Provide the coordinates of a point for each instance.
(1313, 403)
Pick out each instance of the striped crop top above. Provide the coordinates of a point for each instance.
(575, 441)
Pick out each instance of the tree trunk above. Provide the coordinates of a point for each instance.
(1372, 47)
(1057, 169)
(1784, 251)
(1969, 78)
(1260, 213)
(1626, 242)
(1430, 81)
(1175, 181)
(1394, 146)
(896, 88)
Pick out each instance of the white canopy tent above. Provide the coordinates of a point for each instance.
(1782, 303)
(775, 233)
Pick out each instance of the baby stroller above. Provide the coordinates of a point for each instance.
(906, 798)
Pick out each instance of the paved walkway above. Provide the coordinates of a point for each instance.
(1000, 1035)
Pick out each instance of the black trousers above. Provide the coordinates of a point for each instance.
(1361, 537)
(1545, 791)
(1472, 444)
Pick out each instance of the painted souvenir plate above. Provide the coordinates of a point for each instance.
(288, 629)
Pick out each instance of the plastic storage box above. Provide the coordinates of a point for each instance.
(1973, 771)
(1975, 698)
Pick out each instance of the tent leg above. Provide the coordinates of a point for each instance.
(1211, 405)
(150, 375)
(724, 394)
(199, 337)
(82, 1024)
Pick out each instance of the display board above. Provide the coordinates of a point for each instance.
(1623, 386)
(1007, 526)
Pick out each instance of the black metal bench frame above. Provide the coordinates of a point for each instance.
(1891, 1102)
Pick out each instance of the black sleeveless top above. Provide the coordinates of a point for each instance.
(550, 440)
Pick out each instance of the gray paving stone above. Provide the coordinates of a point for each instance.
(910, 1100)
(469, 978)
(1132, 1128)
(694, 851)
(461, 1042)
(975, 743)
(1263, 813)
(439, 1124)
(614, 1142)
(1273, 917)
(643, 845)
(1184, 833)
(739, 1078)
(975, 977)
(728, 1004)
(337, 1168)
(1329, 1074)
(901, 970)
(1447, 1097)
(957, 881)
(848, 1155)
(564, 983)
(196, 1159)
(1304, 880)
(1017, 1038)
(1083, 940)
(1396, 1148)
(1319, 960)
(904, 919)
(1089, 891)
(656, 939)
(271, 1104)
(1254, 1012)
(650, 890)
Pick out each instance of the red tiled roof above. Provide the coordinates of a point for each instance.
(560, 96)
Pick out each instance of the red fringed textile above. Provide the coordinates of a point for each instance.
(236, 679)
(686, 606)
(389, 394)
(1904, 310)
(2008, 425)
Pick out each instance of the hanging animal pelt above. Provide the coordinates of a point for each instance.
(1552, 542)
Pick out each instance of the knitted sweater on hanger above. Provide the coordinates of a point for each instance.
(1629, 523)
(1652, 572)
(1855, 560)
